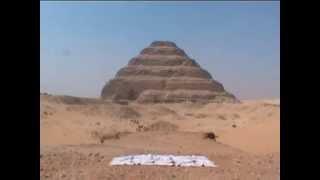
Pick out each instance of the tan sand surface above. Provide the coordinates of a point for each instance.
(247, 146)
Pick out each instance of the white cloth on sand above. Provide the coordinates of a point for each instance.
(163, 160)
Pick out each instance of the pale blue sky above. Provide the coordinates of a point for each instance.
(83, 44)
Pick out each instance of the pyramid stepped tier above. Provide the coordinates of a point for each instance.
(156, 96)
(163, 51)
(136, 85)
(163, 72)
(162, 60)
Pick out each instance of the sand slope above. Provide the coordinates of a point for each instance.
(260, 138)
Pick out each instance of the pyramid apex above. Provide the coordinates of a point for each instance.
(163, 43)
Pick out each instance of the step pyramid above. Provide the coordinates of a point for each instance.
(163, 73)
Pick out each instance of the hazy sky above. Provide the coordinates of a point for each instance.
(83, 44)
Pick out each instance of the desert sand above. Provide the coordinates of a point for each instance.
(79, 137)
